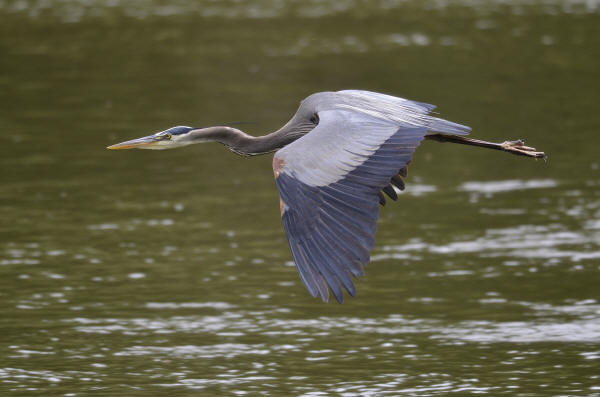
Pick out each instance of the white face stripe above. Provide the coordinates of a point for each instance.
(176, 140)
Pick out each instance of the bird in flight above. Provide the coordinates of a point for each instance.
(333, 163)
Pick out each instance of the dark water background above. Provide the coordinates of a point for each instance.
(168, 273)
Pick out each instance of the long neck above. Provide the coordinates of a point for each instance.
(246, 145)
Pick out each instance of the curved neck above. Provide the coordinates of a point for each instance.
(246, 145)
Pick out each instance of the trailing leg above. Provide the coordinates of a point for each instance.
(515, 147)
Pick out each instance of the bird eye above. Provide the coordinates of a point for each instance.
(167, 136)
(314, 119)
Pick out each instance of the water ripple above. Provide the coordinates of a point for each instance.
(510, 185)
(523, 241)
(583, 327)
(226, 350)
(75, 10)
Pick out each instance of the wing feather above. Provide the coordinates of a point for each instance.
(330, 193)
(330, 180)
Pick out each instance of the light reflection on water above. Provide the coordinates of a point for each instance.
(75, 10)
(585, 327)
(524, 241)
(490, 187)
(310, 341)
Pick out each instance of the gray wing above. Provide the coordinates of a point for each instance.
(400, 111)
(329, 183)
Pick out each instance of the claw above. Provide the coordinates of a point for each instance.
(518, 147)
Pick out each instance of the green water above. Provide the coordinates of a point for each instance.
(167, 273)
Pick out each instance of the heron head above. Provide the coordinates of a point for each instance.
(168, 139)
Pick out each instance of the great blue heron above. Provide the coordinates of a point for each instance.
(333, 160)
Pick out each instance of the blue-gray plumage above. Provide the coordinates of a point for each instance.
(334, 159)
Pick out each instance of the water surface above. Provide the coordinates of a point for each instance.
(168, 273)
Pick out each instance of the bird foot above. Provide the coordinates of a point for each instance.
(518, 147)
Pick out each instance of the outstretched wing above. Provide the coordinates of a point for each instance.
(329, 182)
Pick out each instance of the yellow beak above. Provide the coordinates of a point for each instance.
(141, 143)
